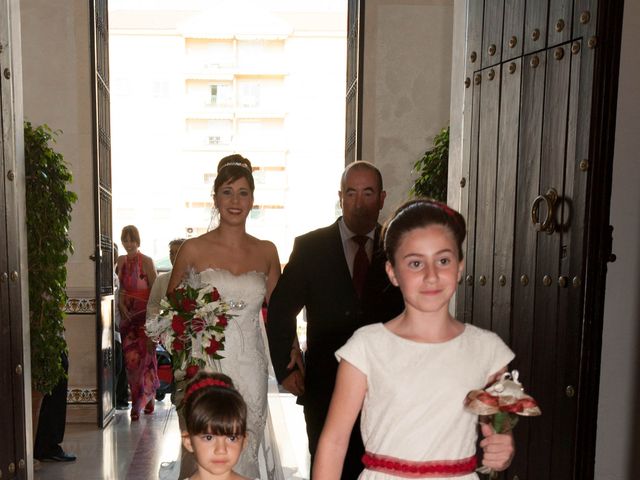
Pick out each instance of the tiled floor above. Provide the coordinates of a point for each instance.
(148, 449)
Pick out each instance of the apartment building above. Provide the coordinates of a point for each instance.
(191, 85)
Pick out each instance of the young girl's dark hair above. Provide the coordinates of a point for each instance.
(213, 405)
(231, 168)
(420, 213)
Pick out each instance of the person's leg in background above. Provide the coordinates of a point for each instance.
(122, 394)
(52, 422)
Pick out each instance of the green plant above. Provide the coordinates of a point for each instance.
(49, 205)
(432, 169)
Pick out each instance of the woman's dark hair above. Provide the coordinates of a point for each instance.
(231, 168)
(420, 213)
(131, 232)
(213, 405)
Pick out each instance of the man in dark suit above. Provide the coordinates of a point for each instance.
(342, 289)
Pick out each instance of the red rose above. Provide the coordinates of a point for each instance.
(192, 370)
(488, 399)
(222, 321)
(213, 347)
(177, 323)
(511, 408)
(197, 324)
(215, 296)
(188, 305)
(177, 345)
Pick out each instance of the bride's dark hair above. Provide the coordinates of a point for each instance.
(231, 168)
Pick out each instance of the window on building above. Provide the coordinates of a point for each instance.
(160, 89)
(219, 132)
(220, 54)
(249, 94)
(220, 94)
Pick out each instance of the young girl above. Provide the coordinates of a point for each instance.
(410, 375)
(216, 426)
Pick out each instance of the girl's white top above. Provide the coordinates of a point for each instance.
(413, 408)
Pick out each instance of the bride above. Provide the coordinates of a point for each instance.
(245, 270)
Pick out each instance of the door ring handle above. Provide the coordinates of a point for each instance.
(548, 224)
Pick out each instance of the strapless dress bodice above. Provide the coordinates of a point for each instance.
(245, 358)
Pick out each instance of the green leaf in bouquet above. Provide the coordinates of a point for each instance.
(504, 422)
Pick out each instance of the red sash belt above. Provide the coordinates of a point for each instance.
(409, 469)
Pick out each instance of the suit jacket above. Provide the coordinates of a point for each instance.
(317, 277)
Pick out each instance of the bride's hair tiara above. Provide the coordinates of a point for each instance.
(207, 382)
(235, 164)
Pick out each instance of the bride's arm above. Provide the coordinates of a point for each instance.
(274, 268)
(272, 279)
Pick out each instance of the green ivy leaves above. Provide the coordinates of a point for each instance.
(49, 206)
(432, 169)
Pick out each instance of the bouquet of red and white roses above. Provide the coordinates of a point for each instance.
(191, 326)
(500, 405)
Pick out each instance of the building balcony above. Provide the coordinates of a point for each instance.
(204, 71)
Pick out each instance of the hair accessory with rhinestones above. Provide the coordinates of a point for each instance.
(207, 382)
(235, 164)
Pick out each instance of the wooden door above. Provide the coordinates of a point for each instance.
(540, 91)
(104, 242)
(355, 45)
(14, 419)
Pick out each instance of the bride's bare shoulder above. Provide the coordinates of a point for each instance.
(265, 246)
(191, 246)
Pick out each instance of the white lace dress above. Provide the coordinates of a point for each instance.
(246, 362)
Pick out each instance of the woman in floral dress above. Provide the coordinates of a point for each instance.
(137, 273)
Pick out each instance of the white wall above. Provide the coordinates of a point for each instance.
(617, 447)
(57, 91)
(407, 75)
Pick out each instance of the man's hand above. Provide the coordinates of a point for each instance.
(498, 448)
(296, 360)
(294, 383)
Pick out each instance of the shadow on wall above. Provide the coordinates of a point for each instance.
(634, 457)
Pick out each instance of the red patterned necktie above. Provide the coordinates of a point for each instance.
(360, 264)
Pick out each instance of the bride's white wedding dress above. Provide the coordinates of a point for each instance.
(246, 362)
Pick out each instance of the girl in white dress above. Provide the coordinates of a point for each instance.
(216, 426)
(410, 375)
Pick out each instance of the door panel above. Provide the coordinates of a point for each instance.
(464, 298)
(535, 26)
(492, 34)
(559, 23)
(548, 354)
(535, 209)
(485, 198)
(513, 24)
(355, 42)
(15, 443)
(528, 179)
(103, 225)
(469, 284)
(506, 197)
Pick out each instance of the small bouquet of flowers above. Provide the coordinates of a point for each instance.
(500, 404)
(191, 326)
